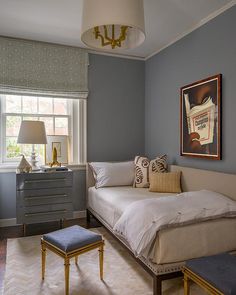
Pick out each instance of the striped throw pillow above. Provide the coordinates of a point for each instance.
(165, 182)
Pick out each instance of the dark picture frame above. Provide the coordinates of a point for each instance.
(200, 118)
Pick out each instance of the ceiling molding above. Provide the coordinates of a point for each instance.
(119, 55)
(198, 25)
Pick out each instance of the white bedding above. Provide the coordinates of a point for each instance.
(111, 202)
(194, 240)
(142, 220)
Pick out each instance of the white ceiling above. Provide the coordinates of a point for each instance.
(59, 21)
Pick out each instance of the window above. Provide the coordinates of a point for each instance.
(58, 114)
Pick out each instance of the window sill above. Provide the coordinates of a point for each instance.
(76, 166)
(9, 168)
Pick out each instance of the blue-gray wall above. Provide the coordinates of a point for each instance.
(7, 195)
(207, 51)
(115, 123)
(115, 108)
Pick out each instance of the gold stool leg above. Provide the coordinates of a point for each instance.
(101, 250)
(186, 285)
(43, 252)
(76, 260)
(67, 275)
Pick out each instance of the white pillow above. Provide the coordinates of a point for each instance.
(113, 174)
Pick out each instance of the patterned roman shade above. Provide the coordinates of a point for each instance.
(43, 68)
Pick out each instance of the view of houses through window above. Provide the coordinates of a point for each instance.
(55, 112)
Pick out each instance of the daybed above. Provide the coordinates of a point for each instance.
(195, 240)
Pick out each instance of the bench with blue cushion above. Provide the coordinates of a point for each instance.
(71, 242)
(216, 274)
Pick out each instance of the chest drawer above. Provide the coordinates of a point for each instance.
(43, 197)
(46, 213)
(29, 181)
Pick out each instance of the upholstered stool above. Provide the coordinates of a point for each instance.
(71, 242)
(216, 274)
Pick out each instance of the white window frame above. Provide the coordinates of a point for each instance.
(77, 130)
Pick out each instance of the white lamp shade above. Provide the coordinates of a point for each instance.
(113, 12)
(32, 132)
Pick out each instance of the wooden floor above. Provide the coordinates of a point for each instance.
(31, 230)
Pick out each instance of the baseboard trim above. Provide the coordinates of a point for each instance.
(80, 214)
(12, 221)
(7, 222)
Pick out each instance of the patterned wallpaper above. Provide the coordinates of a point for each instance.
(43, 66)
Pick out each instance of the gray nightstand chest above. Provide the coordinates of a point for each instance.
(43, 196)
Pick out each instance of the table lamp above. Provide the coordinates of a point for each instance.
(32, 132)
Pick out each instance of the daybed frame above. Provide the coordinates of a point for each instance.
(192, 180)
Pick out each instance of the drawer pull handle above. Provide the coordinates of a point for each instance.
(44, 197)
(45, 213)
(45, 180)
(46, 204)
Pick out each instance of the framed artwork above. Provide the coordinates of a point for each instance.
(60, 142)
(200, 123)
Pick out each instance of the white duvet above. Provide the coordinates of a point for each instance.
(141, 220)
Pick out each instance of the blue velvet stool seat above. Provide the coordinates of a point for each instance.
(216, 274)
(71, 242)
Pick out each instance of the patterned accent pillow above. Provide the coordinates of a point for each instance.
(143, 167)
(141, 178)
(159, 165)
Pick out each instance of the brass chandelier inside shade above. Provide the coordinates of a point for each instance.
(113, 24)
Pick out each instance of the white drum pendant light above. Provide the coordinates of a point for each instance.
(113, 24)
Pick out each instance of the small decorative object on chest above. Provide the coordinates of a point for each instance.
(24, 166)
(54, 158)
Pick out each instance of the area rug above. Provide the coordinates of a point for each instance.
(122, 274)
